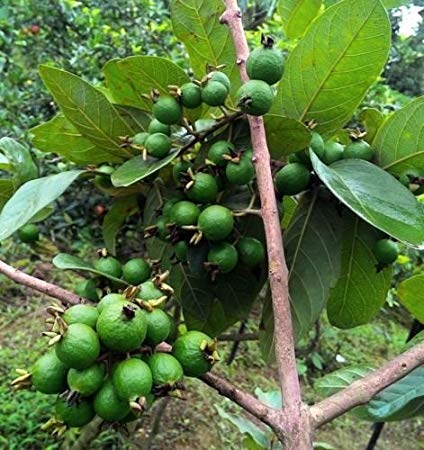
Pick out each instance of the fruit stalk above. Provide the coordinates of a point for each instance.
(293, 427)
(39, 285)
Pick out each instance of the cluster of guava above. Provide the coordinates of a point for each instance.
(106, 359)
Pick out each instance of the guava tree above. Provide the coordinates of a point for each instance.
(248, 153)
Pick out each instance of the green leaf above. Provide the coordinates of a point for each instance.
(31, 198)
(137, 119)
(372, 119)
(23, 165)
(87, 109)
(332, 67)
(285, 135)
(129, 78)
(312, 245)
(297, 15)
(69, 262)
(399, 143)
(360, 291)
(137, 168)
(245, 427)
(42, 214)
(196, 24)
(401, 400)
(387, 3)
(121, 209)
(411, 294)
(375, 196)
(272, 399)
(289, 206)
(339, 379)
(58, 135)
(7, 188)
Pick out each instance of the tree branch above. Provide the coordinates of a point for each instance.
(297, 434)
(363, 390)
(39, 285)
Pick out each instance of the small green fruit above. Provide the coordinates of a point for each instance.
(108, 405)
(251, 251)
(179, 171)
(109, 265)
(136, 271)
(158, 127)
(165, 368)
(221, 78)
(140, 138)
(214, 93)
(218, 150)
(317, 144)
(86, 314)
(255, 97)
(413, 179)
(29, 233)
(266, 64)
(148, 291)
(132, 379)
(181, 250)
(86, 382)
(191, 95)
(48, 374)
(292, 179)
(158, 145)
(74, 415)
(333, 151)
(216, 222)
(358, 150)
(158, 326)
(184, 213)
(224, 256)
(168, 110)
(240, 173)
(110, 299)
(386, 251)
(204, 188)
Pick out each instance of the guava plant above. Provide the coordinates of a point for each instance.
(247, 177)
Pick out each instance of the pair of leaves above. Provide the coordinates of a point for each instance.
(334, 64)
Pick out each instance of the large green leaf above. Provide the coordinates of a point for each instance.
(121, 209)
(58, 135)
(285, 135)
(401, 400)
(129, 78)
(411, 295)
(375, 196)
(137, 168)
(312, 245)
(196, 24)
(387, 3)
(7, 188)
(372, 119)
(399, 143)
(297, 15)
(69, 262)
(20, 157)
(87, 109)
(332, 67)
(31, 198)
(339, 379)
(360, 291)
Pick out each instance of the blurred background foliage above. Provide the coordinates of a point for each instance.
(80, 36)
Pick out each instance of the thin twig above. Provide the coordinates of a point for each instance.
(238, 337)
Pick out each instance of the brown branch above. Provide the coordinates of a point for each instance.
(39, 285)
(363, 390)
(238, 337)
(296, 423)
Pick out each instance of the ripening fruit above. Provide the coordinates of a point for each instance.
(255, 97)
(136, 271)
(111, 299)
(191, 95)
(204, 188)
(75, 414)
(79, 347)
(317, 144)
(181, 250)
(386, 251)
(122, 328)
(214, 93)
(87, 289)
(184, 213)
(240, 173)
(87, 381)
(266, 64)
(132, 379)
(359, 150)
(158, 326)
(292, 179)
(224, 256)
(218, 150)
(29, 233)
(86, 314)
(333, 151)
(216, 222)
(158, 127)
(251, 251)
(191, 352)
(168, 110)
(221, 78)
(109, 265)
(148, 291)
(158, 145)
(48, 374)
(140, 138)
(108, 405)
(180, 170)
(165, 368)
(413, 179)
